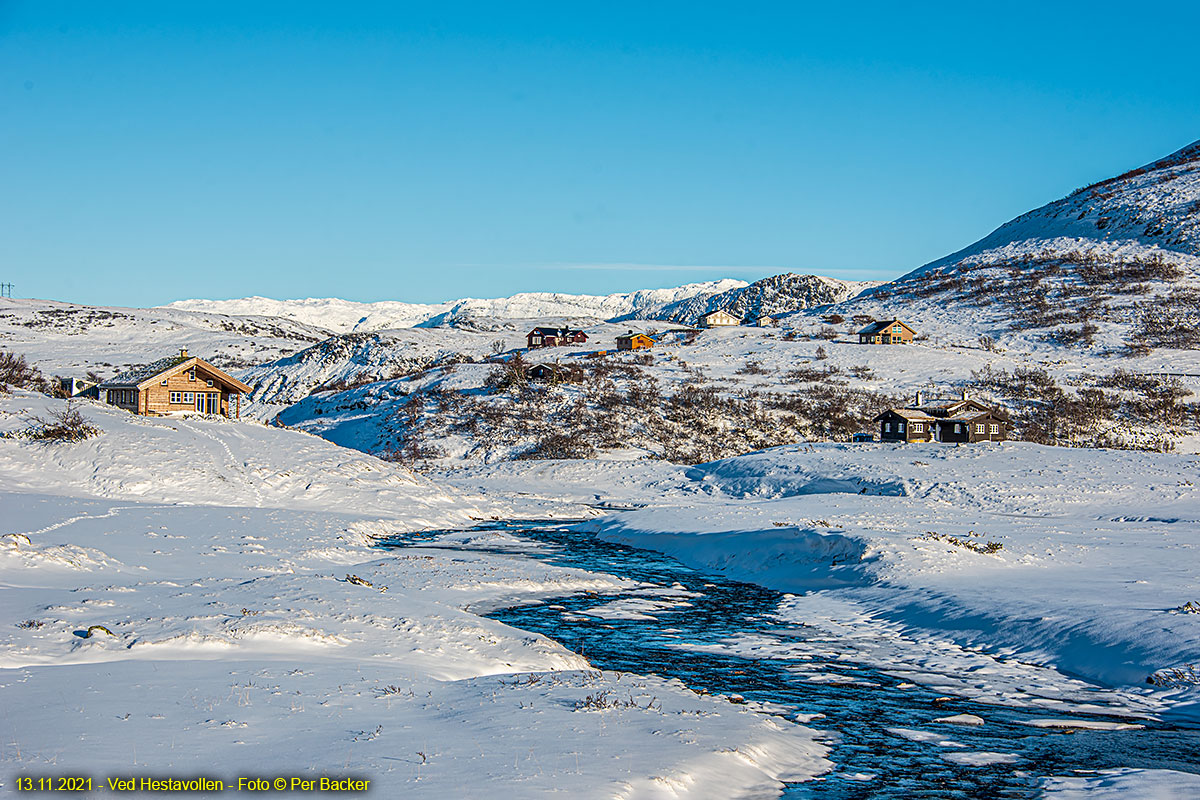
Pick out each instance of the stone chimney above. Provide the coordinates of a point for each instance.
(919, 398)
(966, 395)
(183, 352)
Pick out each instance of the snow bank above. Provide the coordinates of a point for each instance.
(1078, 560)
(185, 595)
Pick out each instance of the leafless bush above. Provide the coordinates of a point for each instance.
(752, 367)
(16, 372)
(559, 446)
(64, 425)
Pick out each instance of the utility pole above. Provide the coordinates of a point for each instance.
(6, 290)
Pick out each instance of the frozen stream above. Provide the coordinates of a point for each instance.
(882, 733)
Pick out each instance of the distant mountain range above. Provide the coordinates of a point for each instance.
(344, 316)
(779, 294)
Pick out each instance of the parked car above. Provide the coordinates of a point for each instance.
(863, 437)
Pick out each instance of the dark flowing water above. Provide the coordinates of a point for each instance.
(857, 712)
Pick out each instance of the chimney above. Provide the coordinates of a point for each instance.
(966, 394)
(918, 398)
(183, 352)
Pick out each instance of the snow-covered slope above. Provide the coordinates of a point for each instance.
(344, 316)
(178, 591)
(1155, 207)
(1082, 559)
(773, 296)
(70, 339)
(1114, 267)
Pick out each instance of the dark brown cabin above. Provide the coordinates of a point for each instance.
(891, 332)
(962, 420)
(554, 337)
(179, 383)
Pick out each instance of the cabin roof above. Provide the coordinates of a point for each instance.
(713, 313)
(912, 414)
(880, 327)
(148, 373)
(554, 331)
(137, 375)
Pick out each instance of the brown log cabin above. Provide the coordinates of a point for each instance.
(176, 384)
(964, 420)
(893, 331)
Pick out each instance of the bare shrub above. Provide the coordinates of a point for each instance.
(18, 373)
(559, 445)
(64, 425)
(752, 367)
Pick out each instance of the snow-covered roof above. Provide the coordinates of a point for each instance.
(555, 331)
(145, 372)
(908, 413)
(880, 327)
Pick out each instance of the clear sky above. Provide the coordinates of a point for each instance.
(164, 150)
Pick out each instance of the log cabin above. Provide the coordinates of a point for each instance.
(176, 384)
(963, 420)
(634, 341)
(891, 332)
(554, 337)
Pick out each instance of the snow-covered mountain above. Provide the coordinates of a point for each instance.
(345, 316)
(1154, 207)
(1114, 266)
(778, 294)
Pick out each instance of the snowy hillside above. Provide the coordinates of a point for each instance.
(70, 339)
(1113, 268)
(344, 316)
(1155, 206)
(176, 590)
(773, 296)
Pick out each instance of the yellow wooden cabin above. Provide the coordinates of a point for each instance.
(175, 384)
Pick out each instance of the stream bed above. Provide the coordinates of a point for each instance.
(881, 729)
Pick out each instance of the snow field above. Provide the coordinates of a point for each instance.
(194, 596)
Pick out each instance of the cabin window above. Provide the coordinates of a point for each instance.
(917, 427)
(993, 429)
(176, 397)
(192, 374)
(900, 427)
(957, 428)
(164, 383)
(210, 383)
(980, 428)
(887, 427)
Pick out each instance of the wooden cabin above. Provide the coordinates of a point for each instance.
(175, 384)
(554, 337)
(718, 319)
(765, 321)
(963, 420)
(634, 341)
(891, 332)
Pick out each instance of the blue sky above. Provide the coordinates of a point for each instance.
(159, 151)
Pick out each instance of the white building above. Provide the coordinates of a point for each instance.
(718, 319)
